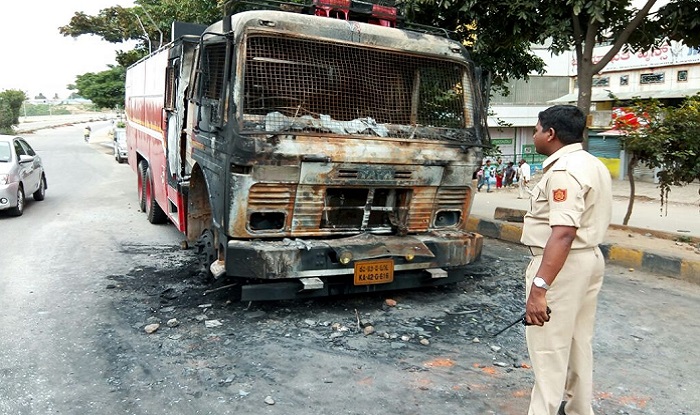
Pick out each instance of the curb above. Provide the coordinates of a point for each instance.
(674, 267)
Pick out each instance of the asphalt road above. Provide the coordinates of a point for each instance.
(82, 274)
(54, 260)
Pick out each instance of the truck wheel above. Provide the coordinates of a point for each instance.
(141, 171)
(153, 211)
(206, 253)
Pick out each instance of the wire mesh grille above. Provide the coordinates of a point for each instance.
(300, 84)
(213, 78)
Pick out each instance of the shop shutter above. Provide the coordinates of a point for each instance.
(604, 147)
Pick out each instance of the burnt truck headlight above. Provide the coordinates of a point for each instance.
(267, 221)
(445, 218)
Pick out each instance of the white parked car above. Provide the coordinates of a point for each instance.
(120, 152)
(21, 174)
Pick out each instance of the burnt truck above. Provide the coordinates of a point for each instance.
(313, 152)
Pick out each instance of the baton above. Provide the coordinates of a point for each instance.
(520, 319)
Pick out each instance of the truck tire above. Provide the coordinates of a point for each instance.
(153, 211)
(206, 254)
(141, 172)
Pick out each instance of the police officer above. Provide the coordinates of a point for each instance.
(570, 212)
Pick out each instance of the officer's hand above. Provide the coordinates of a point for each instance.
(536, 310)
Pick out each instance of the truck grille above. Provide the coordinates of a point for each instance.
(321, 210)
(364, 209)
(269, 196)
(302, 84)
(451, 198)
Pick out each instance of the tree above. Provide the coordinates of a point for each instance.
(502, 50)
(11, 101)
(664, 138)
(105, 89)
(498, 33)
(149, 21)
(578, 25)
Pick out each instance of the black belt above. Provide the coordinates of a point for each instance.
(536, 250)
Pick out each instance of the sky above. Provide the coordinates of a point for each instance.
(36, 58)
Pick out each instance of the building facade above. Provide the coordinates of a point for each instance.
(669, 74)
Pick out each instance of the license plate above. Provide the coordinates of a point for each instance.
(380, 271)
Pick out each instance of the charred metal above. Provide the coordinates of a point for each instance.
(302, 146)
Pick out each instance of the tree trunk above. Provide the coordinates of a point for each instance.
(630, 176)
(585, 87)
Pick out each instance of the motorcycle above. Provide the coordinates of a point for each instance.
(86, 134)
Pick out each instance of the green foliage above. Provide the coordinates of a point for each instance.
(44, 109)
(497, 33)
(669, 139)
(120, 24)
(10, 104)
(105, 89)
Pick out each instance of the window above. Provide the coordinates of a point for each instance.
(624, 80)
(602, 81)
(300, 78)
(213, 63)
(27, 148)
(682, 76)
(211, 81)
(19, 150)
(652, 78)
(5, 154)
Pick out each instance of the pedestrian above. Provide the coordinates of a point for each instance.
(86, 133)
(569, 215)
(498, 171)
(509, 175)
(486, 177)
(523, 179)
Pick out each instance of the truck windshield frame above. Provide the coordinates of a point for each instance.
(312, 85)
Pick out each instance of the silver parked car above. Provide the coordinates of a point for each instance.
(120, 151)
(21, 174)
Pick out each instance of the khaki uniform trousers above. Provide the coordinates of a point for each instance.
(561, 350)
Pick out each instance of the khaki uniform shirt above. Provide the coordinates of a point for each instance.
(575, 190)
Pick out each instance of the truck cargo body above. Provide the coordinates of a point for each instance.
(311, 156)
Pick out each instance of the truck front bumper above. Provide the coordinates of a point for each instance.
(435, 258)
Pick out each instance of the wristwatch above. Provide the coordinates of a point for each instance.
(540, 283)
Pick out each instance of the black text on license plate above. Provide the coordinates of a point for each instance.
(380, 271)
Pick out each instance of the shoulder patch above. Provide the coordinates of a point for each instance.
(559, 195)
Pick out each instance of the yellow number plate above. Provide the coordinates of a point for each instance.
(380, 271)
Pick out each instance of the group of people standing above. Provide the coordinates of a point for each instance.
(506, 176)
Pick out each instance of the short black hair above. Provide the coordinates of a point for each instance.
(567, 121)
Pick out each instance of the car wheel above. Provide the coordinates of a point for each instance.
(40, 193)
(153, 211)
(142, 185)
(19, 209)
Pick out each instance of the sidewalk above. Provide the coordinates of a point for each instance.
(665, 242)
